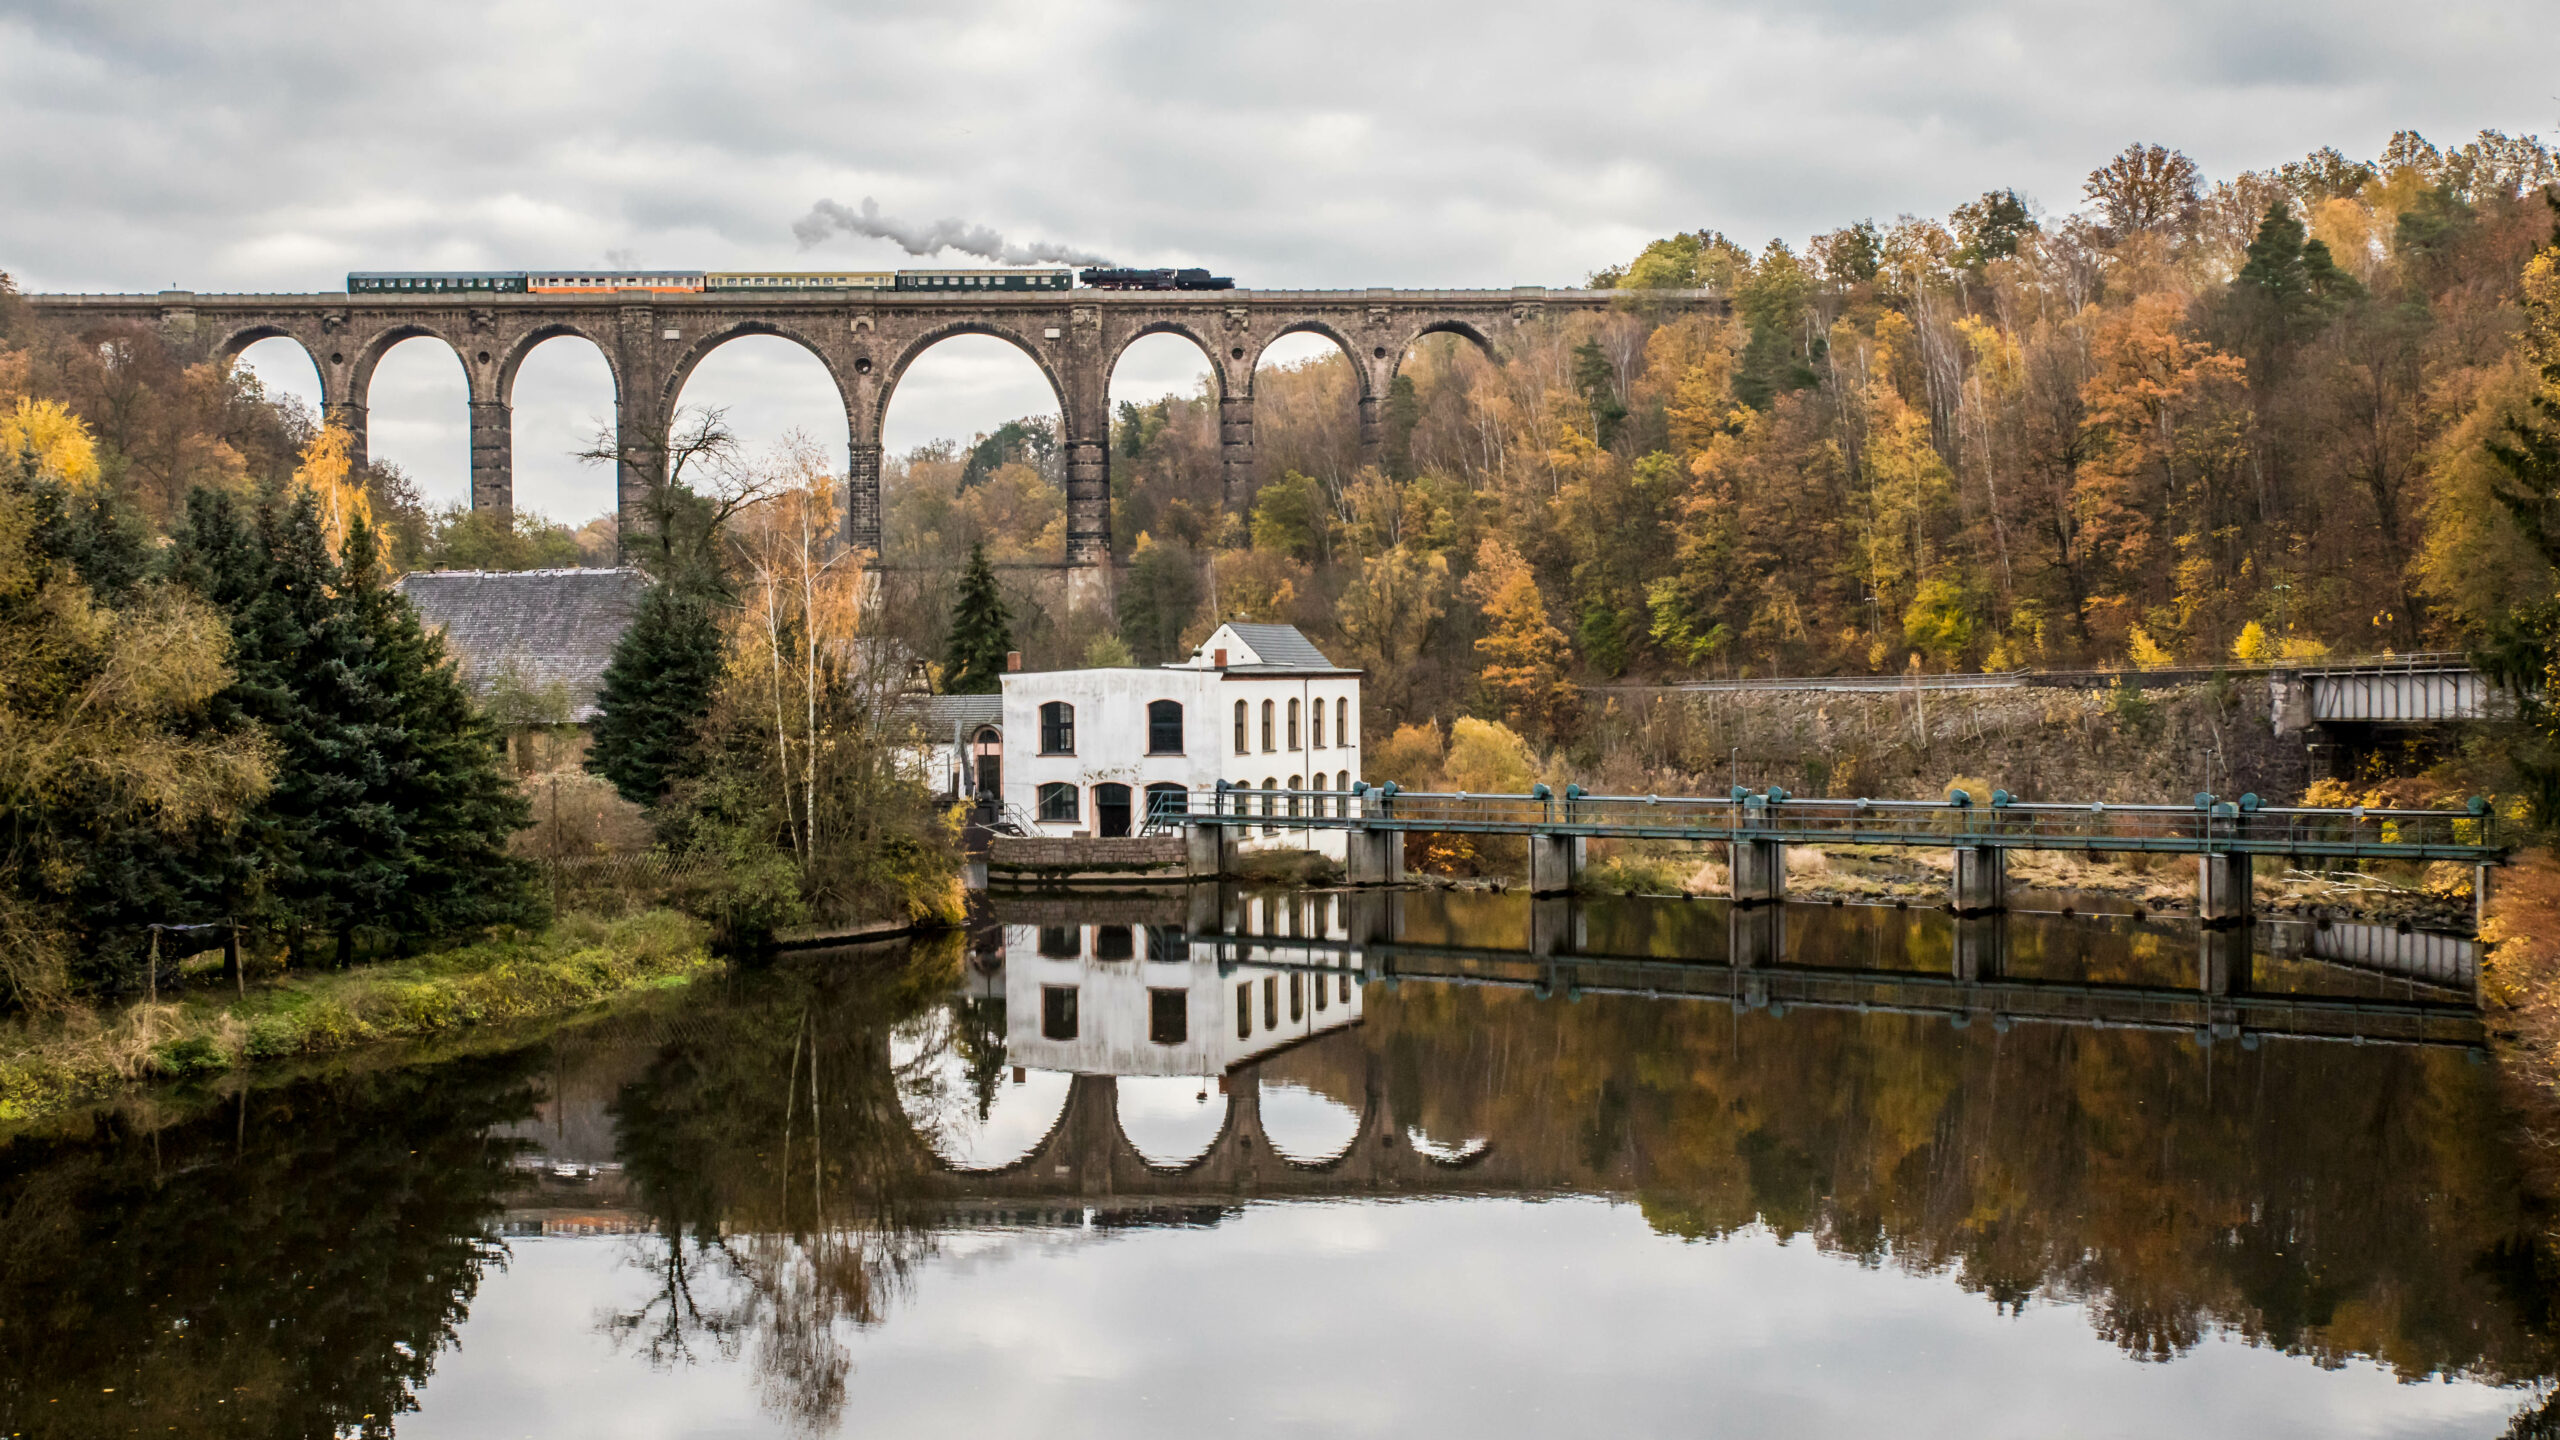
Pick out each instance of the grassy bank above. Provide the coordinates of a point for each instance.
(52, 1063)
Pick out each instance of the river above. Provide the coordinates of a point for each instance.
(1332, 1164)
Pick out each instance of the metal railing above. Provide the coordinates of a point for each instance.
(2207, 826)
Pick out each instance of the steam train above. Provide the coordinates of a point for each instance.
(607, 282)
(1103, 278)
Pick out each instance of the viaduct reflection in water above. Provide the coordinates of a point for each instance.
(786, 1148)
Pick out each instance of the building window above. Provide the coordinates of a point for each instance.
(1315, 741)
(1061, 942)
(1342, 721)
(1270, 1002)
(1318, 807)
(1269, 710)
(1167, 944)
(1343, 782)
(1241, 747)
(1164, 727)
(1168, 1016)
(1244, 1009)
(1346, 987)
(1058, 803)
(1057, 728)
(1057, 1012)
(1114, 942)
(1321, 989)
(1270, 802)
(1293, 725)
(1295, 784)
(1297, 998)
(1167, 800)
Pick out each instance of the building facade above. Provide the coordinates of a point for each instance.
(1088, 752)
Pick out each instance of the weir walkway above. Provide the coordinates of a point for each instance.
(2227, 837)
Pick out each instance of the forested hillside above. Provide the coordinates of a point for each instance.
(2190, 421)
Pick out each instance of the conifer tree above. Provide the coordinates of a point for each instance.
(441, 779)
(981, 631)
(657, 690)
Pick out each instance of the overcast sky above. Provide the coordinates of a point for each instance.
(256, 146)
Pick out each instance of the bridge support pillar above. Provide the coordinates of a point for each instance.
(1555, 863)
(1982, 880)
(2223, 882)
(1759, 872)
(862, 499)
(349, 415)
(1374, 857)
(1206, 851)
(493, 466)
(1235, 447)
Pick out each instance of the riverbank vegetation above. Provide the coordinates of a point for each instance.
(223, 725)
(54, 1061)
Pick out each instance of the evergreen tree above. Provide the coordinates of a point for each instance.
(1158, 598)
(981, 631)
(442, 779)
(657, 689)
(1597, 382)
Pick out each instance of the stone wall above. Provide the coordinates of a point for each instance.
(1044, 859)
(2144, 747)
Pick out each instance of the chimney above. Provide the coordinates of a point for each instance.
(1013, 659)
(1219, 658)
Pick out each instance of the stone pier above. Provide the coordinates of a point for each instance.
(1759, 872)
(1982, 880)
(1555, 863)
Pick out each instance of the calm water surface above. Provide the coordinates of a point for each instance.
(1325, 1164)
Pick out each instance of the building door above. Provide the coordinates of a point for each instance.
(988, 747)
(1111, 810)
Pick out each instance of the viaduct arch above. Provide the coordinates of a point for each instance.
(866, 341)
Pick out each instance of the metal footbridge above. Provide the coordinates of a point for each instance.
(2226, 835)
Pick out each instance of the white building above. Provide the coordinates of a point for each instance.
(1083, 751)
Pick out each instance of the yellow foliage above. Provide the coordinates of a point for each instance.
(2301, 649)
(328, 472)
(49, 442)
(2253, 647)
(1488, 758)
(1410, 757)
(2146, 653)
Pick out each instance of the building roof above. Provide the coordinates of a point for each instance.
(1266, 650)
(939, 715)
(545, 627)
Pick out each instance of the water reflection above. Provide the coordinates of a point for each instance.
(2146, 1128)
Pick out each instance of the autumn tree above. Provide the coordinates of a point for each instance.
(1525, 655)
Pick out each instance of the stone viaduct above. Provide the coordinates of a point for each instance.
(652, 341)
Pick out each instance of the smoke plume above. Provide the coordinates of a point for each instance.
(827, 217)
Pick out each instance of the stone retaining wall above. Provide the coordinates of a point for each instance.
(1043, 858)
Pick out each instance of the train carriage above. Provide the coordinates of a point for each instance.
(980, 280)
(607, 282)
(769, 281)
(436, 282)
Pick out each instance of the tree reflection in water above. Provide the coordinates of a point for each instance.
(784, 1183)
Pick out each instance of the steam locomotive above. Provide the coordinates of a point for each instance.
(1102, 278)
(607, 282)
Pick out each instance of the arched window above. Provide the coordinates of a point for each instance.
(1270, 1002)
(1270, 802)
(1164, 727)
(1268, 712)
(1317, 808)
(1244, 1009)
(1061, 942)
(1342, 722)
(1057, 728)
(1241, 747)
(1315, 739)
(1297, 998)
(1168, 1016)
(1296, 783)
(1057, 1012)
(1058, 804)
(1165, 800)
(1114, 942)
(1342, 781)
(1293, 725)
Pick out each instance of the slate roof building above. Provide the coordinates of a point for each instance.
(543, 628)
